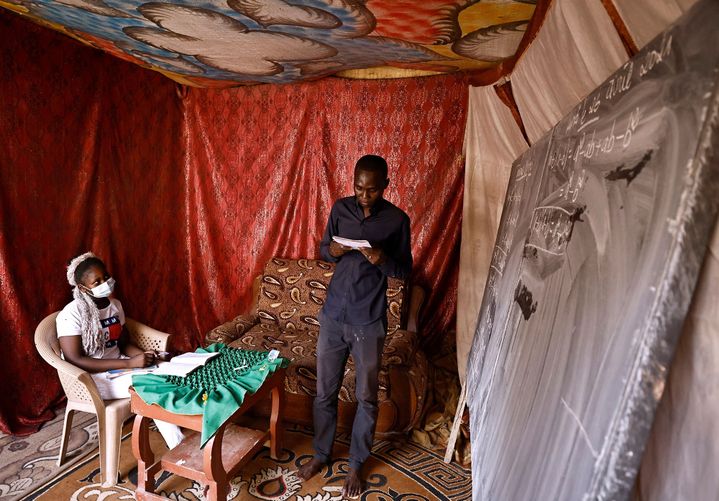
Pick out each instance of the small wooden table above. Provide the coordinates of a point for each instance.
(223, 455)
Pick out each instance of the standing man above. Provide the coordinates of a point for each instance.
(354, 317)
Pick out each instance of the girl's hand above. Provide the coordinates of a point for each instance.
(163, 356)
(142, 360)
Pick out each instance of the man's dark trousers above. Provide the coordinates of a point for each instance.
(336, 341)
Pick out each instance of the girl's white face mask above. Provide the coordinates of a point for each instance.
(104, 289)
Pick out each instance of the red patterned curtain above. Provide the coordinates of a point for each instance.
(186, 193)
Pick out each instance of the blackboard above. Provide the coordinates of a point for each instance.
(602, 236)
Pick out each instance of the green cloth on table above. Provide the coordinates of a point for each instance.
(215, 390)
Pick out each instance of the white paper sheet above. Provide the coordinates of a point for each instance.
(182, 365)
(355, 244)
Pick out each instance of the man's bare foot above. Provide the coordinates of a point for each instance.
(310, 469)
(353, 486)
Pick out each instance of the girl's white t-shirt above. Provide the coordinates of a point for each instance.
(112, 318)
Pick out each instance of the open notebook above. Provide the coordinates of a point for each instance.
(182, 365)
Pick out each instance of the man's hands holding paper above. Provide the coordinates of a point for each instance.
(337, 249)
(340, 246)
(374, 256)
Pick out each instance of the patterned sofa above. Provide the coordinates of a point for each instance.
(289, 295)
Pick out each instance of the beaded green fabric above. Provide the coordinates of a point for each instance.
(230, 364)
(215, 390)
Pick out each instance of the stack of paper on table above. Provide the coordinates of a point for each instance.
(182, 365)
(355, 244)
(114, 383)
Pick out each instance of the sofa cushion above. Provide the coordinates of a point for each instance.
(300, 346)
(292, 293)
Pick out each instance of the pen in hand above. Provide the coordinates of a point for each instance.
(149, 357)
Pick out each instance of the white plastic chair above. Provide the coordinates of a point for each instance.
(83, 395)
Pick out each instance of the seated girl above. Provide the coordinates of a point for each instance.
(92, 334)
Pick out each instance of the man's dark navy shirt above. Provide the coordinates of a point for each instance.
(357, 293)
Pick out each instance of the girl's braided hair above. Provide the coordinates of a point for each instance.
(93, 341)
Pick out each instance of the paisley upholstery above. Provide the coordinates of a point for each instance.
(229, 331)
(293, 292)
(290, 296)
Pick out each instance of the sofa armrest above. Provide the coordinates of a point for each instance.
(400, 348)
(408, 371)
(229, 331)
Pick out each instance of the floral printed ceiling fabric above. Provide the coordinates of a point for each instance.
(234, 42)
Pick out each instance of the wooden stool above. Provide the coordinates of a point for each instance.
(223, 455)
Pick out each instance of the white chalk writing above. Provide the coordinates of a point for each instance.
(574, 186)
(551, 229)
(583, 112)
(654, 57)
(620, 82)
(589, 144)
